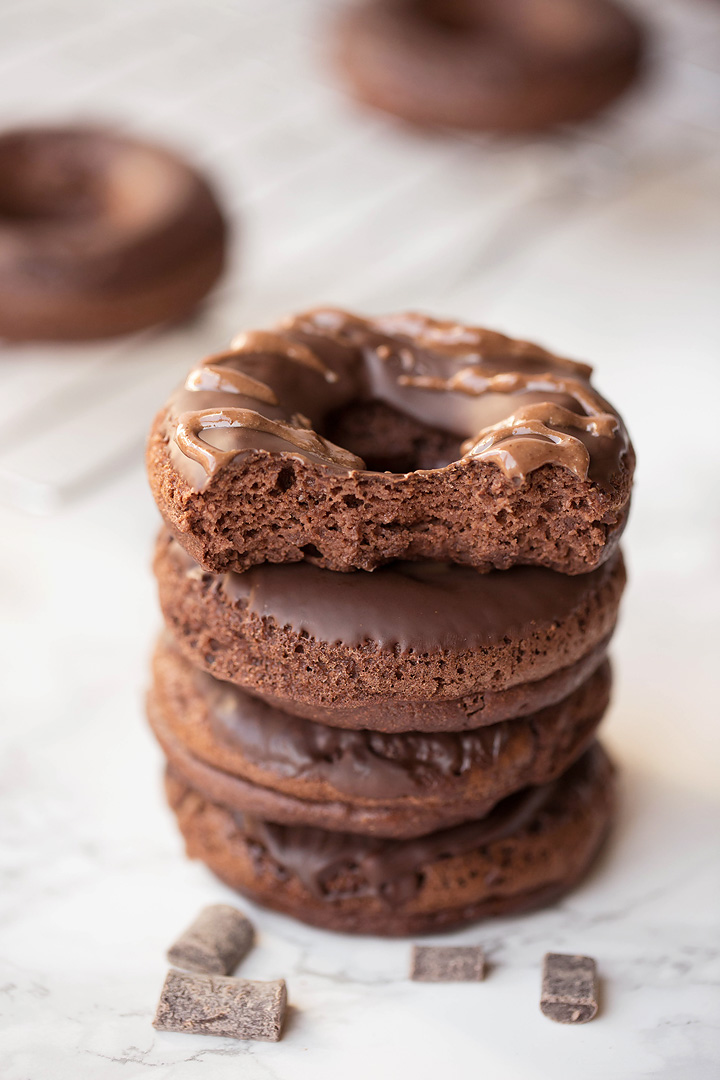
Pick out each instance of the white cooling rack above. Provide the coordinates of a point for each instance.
(330, 203)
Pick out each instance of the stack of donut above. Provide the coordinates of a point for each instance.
(389, 573)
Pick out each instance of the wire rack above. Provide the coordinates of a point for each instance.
(330, 203)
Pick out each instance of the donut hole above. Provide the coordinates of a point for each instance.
(85, 178)
(43, 181)
(449, 16)
(30, 202)
(389, 440)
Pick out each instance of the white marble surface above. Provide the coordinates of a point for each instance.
(606, 248)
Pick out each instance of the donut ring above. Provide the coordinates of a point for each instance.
(459, 444)
(412, 647)
(493, 65)
(532, 848)
(100, 235)
(252, 757)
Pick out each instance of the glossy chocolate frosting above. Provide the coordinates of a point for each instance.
(407, 607)
(379, 766)
(391, 869)
(504, 402)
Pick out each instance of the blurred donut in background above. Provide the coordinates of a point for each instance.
(100, 234)
(490, 65)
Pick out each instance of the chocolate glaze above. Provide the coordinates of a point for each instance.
(370, 764)
(420, 607)
(505, 402)
(392, 869)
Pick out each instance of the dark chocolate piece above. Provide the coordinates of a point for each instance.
(569, 988)
(215, 942)
(448, 963)
(216, 1005)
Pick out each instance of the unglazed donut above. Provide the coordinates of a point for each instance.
(100, 234)
(494, 65)
(349, 442)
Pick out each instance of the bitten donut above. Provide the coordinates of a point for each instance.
(252, 758)
(349, 442)
(531, 848)
(410, 647)
(493, 65)
(100, 234)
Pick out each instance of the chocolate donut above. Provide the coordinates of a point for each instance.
(530, 849)
(493, 65)
(100, 234)
(456, 444)
(381, 650)
(250, 757)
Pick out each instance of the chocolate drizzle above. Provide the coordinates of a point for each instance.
(508, 403)
(212, 375)
(261, 341)
(192, 426)
(540, 435)
(333, 864)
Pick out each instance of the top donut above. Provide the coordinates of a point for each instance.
(349, 442)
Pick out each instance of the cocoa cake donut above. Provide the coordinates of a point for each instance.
(100, 234)
(381, 651)
(349, 442)
(532, 847)
(250, 757)
(493, 65)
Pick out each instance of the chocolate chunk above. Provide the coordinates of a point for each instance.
(569, 988)
(217, 1005)
(215, 943)
(448, 963)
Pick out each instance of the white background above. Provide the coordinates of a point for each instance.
(602, 243)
